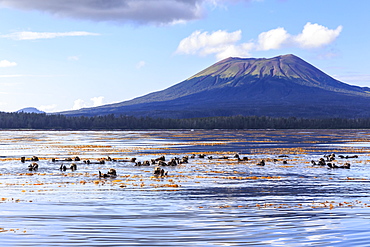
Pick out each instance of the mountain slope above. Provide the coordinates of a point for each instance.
(280, 86)
(30, 110)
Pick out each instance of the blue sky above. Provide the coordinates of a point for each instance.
(59, 55)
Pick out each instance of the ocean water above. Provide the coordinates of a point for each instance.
(205, 202)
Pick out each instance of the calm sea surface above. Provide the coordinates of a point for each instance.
(205, 202)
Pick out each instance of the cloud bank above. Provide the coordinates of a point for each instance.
(139, 11)
(223, 44)
(44, 35)
(122, 11)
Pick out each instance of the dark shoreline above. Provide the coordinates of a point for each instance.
(34, 121)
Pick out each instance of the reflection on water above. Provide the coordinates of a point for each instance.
(206, 202)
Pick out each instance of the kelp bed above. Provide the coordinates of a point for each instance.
(202, 188)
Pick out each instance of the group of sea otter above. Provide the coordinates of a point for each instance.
(329, 161)
(326, 161)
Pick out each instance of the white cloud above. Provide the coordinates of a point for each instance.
(6, 63)
(223, 44)
(315, 35)
(45, 35)
(80, 103)
(273, 39)
(97, 101)
(205, 43)
(48, 108)
(235, 51)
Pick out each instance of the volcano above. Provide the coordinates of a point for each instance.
(282, 86)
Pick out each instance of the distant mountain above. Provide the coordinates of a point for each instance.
(30, 110)
(282, 86)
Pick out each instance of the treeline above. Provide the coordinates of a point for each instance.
(109, 122)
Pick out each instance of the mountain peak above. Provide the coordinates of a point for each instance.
(286, 56)
(277, 66)
(236, 71)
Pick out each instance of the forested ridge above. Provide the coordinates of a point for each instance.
(109, 122)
